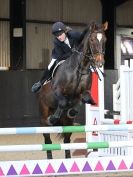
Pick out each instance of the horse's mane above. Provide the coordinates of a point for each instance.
(72, 60)
(83, 38)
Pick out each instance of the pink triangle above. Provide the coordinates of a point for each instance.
(122, 166)
(74, 168)
(1, 172)
(50, 169)
(24, 171)
(99, 167)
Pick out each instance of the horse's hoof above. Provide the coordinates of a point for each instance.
(51, 120)
(88, 101)
(48, 122)
(72, 113)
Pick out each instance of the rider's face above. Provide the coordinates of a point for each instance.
(61, 37)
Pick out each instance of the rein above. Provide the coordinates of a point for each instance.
(91, 59)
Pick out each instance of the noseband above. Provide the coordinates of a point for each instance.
(92, 64)
(90, 55)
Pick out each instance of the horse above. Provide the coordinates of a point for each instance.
(60, 99)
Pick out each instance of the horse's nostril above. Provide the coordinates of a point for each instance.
(100, 58)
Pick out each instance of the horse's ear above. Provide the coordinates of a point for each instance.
(92, 26)
(105, 26)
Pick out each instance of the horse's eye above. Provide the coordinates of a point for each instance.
(92, 39)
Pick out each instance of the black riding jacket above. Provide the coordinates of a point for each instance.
(61, 50)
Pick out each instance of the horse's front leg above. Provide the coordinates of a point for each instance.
(73, 111)
(58, 113)
(52, 119)
(67, 140)
(47, 140)
(87, 98)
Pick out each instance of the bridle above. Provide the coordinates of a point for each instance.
(90, 57)
(99, 37)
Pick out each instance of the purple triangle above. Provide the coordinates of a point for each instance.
(37, 170)
(131, 167)
(62, 168)
(12, 171)
(110, 166)
(87, 167)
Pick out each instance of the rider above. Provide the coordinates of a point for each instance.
(65, 40)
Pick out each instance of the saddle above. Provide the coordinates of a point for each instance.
(56, 67)
(53, 71)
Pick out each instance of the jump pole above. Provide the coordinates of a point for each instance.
(67, 129)
(66, 146)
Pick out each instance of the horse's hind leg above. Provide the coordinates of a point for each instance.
(47, 140)
(67, 140)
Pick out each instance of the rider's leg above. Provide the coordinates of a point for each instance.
(46, 75)
(36, 87)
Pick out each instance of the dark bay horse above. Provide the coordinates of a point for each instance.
(60, 99)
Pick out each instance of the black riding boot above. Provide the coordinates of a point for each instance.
(46, 75)
(36, 87)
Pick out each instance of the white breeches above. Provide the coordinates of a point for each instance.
(51, 63)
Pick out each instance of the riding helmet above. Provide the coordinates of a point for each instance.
(58, 28)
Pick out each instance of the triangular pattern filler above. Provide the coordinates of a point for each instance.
(99, 167)
(87, 167)
(24, 170)
(131, 167)
(1, 172)
(110, 166)
(50, 169)
(122, 166)
(75, 168)
(12, 171)
(37, 170)
(62, 168)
